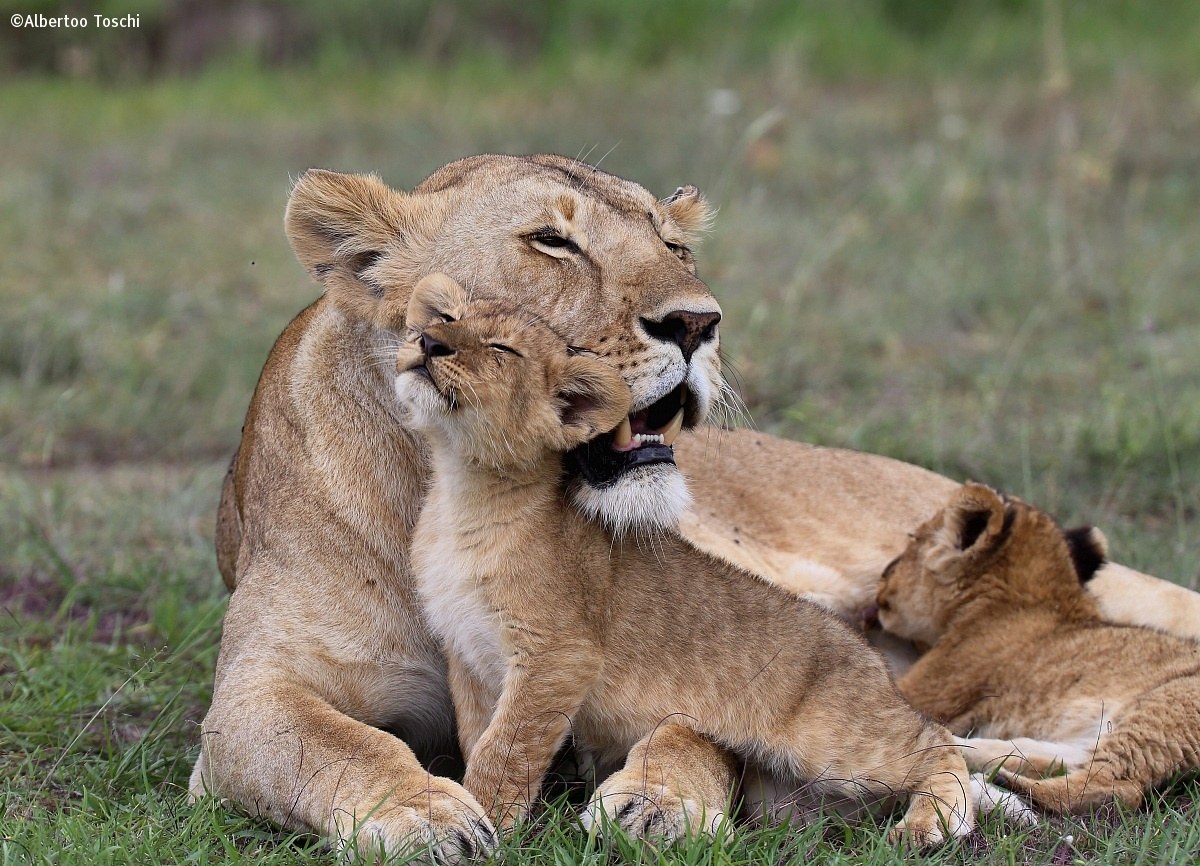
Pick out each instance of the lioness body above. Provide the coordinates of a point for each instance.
(555, 625)
(324, 639)
(1022, 660)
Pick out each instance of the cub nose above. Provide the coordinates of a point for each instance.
(687, 330)
(434, 348)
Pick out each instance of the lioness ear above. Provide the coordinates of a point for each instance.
(356, 235)
(435, 298)
(974, 518)
(1089, 550)
(592, 399)
(689, 209)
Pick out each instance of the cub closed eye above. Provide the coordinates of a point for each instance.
(503, 348)
(681, 252)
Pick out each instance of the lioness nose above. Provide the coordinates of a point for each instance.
(434, 348)
(687, 330)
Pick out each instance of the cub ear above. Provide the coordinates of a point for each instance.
(1089, 550)
(435, 298)
(592, 399)
(342, 228)
(974, 518)
(689, 209)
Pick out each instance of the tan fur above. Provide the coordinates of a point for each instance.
(563, 628)
(323, 641)
(826, 521)
(1022, 659)
(323, 638)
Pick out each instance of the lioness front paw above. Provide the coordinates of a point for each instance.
(442, 818)
(651, 812)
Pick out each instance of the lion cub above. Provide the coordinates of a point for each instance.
(554, 626)
(1019, 650)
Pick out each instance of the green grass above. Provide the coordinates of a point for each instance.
(950, 262)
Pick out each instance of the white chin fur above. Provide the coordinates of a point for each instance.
(419, 399)
(645, 499)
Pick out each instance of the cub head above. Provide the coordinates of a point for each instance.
(497, 386)
(603, 262)
(985, 548)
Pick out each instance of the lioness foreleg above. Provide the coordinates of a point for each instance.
(283, 753)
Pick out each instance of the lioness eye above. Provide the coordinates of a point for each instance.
(503, 348)
(550, 241)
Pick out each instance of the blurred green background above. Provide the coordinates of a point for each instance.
(960, 233)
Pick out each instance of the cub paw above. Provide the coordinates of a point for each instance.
(920, 833)
(651, 812)
(1008, 806)
(442, 819)
(926, 826)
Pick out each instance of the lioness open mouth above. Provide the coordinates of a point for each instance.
(644, 438)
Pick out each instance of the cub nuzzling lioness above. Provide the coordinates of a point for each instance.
(1073, 710)
(553, 625)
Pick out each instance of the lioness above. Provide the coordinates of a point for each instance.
(587, 633)
(324, 645)
(1020, 656)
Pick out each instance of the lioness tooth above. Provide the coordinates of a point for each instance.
(643, 438)
(672, 429)
(623, 435)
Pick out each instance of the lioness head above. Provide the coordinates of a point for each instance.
(604, 262)
(498, 385)
(984, 548)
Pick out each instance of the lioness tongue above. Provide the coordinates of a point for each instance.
(624, 439)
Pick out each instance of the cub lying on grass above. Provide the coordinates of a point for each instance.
(608, 637)
(1019, 649)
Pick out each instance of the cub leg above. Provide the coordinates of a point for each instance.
(674, 783)
(928, 686)
(1023, 755)
(889, 750)
(1078, 791)
(472, 705)
(1155, 738)
(941, 801)
(540, 699)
